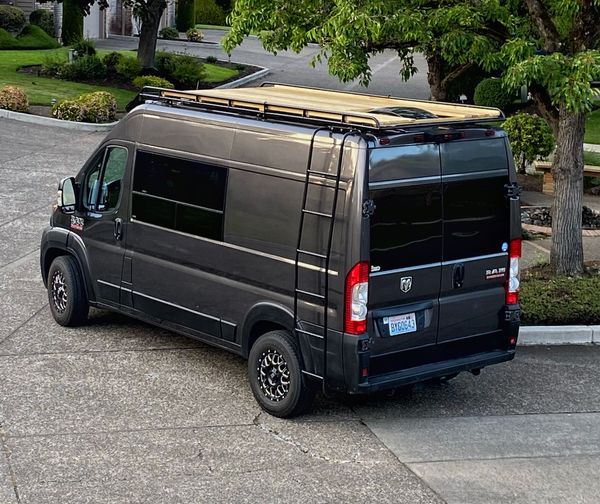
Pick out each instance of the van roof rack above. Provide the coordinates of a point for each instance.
(322, 106)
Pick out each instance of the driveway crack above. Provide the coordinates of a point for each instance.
(11, 472)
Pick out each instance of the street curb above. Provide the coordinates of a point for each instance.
(245, 80)
(51, 121)
(559, 335)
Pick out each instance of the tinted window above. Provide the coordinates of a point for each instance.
(406, 161)
(474, 155)
(179, 194)
(104, 180)
(406, 228)
(476, 217)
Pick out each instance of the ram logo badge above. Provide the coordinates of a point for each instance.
(405, 284)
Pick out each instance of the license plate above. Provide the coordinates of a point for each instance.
(402, 324)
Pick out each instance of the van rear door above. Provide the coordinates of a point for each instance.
(476, 233)
(405, 251)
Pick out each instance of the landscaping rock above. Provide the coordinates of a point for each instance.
(542, 216)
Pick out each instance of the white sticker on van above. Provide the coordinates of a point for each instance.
(491, 274)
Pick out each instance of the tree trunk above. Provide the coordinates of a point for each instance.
(436, 72)
(566, 255)
(149, 32)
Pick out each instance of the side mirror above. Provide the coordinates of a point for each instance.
(67, 200)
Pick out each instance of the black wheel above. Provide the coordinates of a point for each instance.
(66, 292)
(276, 377)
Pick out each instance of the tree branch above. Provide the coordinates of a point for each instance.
(455, 74)
(586, 29)
(545, 107)
(543, 22)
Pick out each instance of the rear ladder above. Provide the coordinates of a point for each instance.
(324, 258)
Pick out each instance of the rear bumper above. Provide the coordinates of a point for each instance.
(433, 370)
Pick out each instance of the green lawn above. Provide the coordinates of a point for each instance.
(41, 90)
(212, 27)
(216, 73)
(592, 127)
(591, 158)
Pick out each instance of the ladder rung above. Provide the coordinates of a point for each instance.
(330, 176)
(313, 294)
(313, 254)
(319, 214)
(320, 336)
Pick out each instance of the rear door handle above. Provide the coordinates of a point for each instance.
(118, 228)
(458, 275)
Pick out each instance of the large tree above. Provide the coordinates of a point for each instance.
(548, 44)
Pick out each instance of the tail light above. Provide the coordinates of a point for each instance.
(356, 298)
(512, 282)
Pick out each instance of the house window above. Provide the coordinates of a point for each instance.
(179, 194)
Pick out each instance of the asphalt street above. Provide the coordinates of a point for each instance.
(292, 68)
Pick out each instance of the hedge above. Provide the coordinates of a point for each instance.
(184, 19)
(72, 26)
(44, 19)
(491, 93)
(32, 37)
(12, 19)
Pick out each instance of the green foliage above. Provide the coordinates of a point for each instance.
(98, 107)
(129, 68)
(560, 300)
(7, 41)
(183, 70)
(491, 93)
(13, 98)
(44, 19)
(12, 19)
(111, 60)
(194, 35)
(210, 12)
(32, 37)
(84, 47)
(151, 80)
(168, 33)
(211, 59)
(53, 65)
(184, 19)
(72, 22)
(84, 68)
(530, 138)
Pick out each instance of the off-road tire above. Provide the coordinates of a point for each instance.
(66, 292)
(298, 396)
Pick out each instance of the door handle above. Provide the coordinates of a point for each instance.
(118, 228)
(458, 275)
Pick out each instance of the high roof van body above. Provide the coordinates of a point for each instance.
(338, 241)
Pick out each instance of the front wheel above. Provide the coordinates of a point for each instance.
(275, 375)
(66, 292)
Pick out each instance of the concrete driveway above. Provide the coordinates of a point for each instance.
(122, 412)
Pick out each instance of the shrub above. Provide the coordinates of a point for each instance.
(84, 47)
(560, 300)
(33, 37)
(151, 80)
(13, 98)
(129, 68)
(7, 41)
(184, 19)
(72, 22)
(111, 60)
(168, 33)
(194, 35)
(44, 19)
(491, 93)
(12, 19)
(99, 107)
(209, 12)
(84, 68)
(183, 70)
(211, 59)
(530, 138)
(92, 107)
(54, 65)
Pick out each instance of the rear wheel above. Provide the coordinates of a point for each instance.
(66, 292)
(275, 374)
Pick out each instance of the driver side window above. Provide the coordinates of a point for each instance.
(103, 181)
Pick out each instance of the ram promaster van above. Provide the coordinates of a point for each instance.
(340, 241)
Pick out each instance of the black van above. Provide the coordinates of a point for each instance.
(339, 241)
